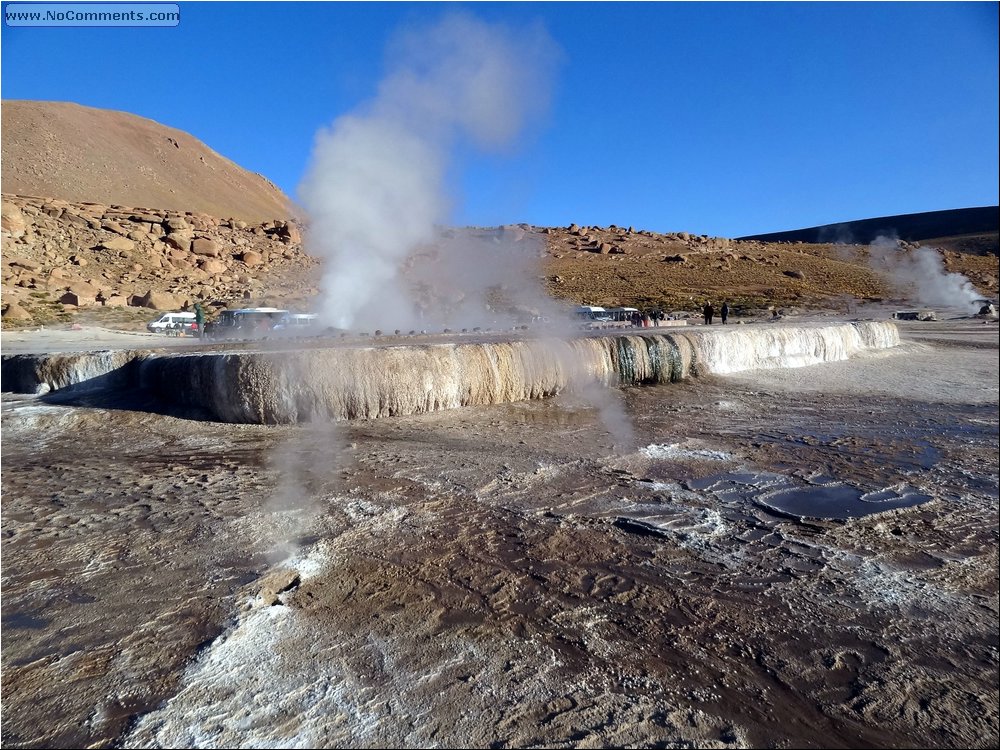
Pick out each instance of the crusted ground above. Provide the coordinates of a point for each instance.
(516, 575)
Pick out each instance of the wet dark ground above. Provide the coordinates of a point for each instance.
(518, 575)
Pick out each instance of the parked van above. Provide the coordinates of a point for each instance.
(173, 321)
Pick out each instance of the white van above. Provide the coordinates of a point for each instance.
(172, 321)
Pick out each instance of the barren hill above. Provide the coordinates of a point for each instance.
(82, 154)
(964, 229)
(614, 266)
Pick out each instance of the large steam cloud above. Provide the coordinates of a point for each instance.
(376, 188)
(921, 274)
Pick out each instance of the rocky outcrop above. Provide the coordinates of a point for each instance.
(88, 255)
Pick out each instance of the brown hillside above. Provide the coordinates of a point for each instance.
(110, 264)
(612, 266)
(75, 153)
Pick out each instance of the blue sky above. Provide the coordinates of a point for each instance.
(717, 118)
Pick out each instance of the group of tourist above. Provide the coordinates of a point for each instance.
(647, 319)
(653, 318)
(709, 312)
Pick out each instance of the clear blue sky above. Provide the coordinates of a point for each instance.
(717, 118)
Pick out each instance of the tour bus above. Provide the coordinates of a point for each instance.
(622, 314)
(297, 321)
(247, 322)
(298, 324)
(592, 314)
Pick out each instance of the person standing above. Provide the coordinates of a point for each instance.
(709, 313)
(724, 312)
(199, 319)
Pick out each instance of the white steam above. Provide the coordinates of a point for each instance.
(376, 188)
(920, 273)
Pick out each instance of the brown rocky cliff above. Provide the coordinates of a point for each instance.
(60, 258)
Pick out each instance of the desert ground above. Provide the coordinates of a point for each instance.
(786, 558)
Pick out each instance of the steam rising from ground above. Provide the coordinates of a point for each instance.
(305, 464)
(376, 189)
(921, 273)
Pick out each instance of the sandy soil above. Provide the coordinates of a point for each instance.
(519, 575)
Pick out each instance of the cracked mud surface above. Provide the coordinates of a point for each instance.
(508, 576)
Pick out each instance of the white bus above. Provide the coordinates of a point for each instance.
(622, 314)
(592, 313)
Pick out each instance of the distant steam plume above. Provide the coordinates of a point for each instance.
(376, 188)
(920, 274)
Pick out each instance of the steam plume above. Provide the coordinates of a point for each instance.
(921, 273)
(376, 188)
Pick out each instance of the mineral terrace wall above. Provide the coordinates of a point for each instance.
(342, 383)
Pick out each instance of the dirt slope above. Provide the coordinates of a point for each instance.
(613, 266)
(75, 153)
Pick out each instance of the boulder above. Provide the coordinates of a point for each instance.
(83, 289)
(205, 246)
(115, 300)
(176, 224)
(179, 240)
(78, 300)
(74, 218)
(675, 259)
(289, 234)
(114, 226)
(212, 266)
(159, 301)
(14, 311)
(12, 220)
(252, 257)
(28, 265)
(138, 236)
(793, 274)
(180, 263)
(120, 244)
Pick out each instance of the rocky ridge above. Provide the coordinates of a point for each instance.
(61, 258)
(110, 264)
